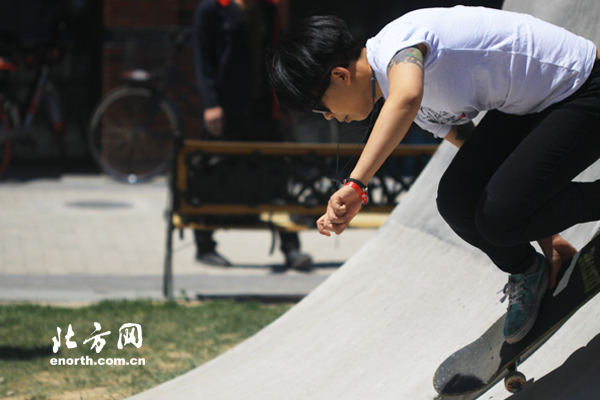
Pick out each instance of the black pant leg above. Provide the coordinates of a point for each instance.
(511, 182)
(467, 176)
(532, 195)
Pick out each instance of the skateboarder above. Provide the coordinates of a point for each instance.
(511, 180)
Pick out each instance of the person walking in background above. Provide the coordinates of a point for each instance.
(230, 41)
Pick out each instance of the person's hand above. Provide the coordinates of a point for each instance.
(342, 207)
(557, 250)
(213, 120)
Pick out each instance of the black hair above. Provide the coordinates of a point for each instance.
(300, 64)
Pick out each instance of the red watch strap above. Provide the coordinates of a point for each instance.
(361, 193)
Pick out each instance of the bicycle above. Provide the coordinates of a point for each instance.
(12, 127)
(133, 127)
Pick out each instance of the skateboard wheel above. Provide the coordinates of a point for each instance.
(515, 382)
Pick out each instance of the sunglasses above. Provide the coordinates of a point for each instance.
(321, 110)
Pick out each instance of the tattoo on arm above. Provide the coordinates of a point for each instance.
(412, 55)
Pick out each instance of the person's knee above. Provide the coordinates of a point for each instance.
(452, 205)
(499, 224)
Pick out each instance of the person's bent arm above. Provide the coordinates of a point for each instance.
(406, 77)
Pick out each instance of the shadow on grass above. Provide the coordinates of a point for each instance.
(22, 353)
(256, 298)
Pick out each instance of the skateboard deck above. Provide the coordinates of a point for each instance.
(477, 367)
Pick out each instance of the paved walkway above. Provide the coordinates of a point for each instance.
(86, 238)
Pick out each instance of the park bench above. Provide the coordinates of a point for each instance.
(272, 186)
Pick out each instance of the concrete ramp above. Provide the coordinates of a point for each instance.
(379, 327)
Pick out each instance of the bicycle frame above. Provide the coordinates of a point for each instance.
(15, 129)
(43, 88)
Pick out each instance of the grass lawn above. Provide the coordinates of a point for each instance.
(176, 338)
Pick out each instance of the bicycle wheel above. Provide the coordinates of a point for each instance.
(131, 134)
(9, 122)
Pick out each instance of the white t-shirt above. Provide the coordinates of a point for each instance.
(484, 59)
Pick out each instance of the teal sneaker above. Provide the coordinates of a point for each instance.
(524, 293)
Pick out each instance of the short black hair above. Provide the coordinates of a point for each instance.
(300, 64)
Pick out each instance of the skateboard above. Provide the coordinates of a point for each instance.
(477, 367)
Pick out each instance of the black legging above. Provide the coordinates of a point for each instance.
(511, 181)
